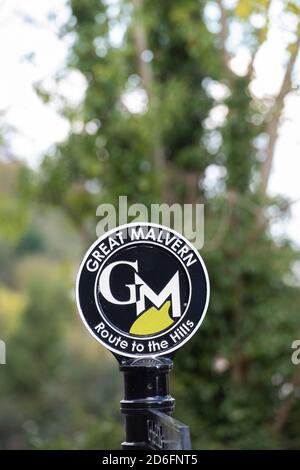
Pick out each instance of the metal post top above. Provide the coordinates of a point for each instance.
(146, 384)
(147, 405)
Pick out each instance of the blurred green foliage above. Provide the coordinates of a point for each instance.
(234, 383)
(58, 390)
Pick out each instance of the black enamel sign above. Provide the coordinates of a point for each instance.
(142, 290)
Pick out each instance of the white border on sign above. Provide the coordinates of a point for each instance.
(104, 236)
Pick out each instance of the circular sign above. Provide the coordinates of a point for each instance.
(142, 290)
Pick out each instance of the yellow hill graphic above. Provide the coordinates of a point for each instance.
(152, 321)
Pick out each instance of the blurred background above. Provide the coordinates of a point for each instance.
(162, 101)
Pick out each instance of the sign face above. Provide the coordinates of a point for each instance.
(142, 290)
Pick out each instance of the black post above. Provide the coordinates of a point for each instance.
(146, 387)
